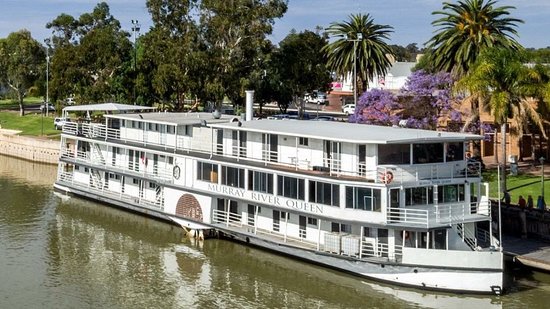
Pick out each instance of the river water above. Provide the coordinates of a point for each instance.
(71, 253)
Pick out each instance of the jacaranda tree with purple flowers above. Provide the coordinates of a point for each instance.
(424, 101)
(378, 107)
(427, 100)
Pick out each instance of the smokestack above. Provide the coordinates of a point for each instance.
(249, 105)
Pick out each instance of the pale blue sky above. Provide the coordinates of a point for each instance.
(411, 19)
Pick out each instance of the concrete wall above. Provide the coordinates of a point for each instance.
(29, 148)
(525, 223)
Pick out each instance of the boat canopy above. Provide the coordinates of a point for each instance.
(105, 107)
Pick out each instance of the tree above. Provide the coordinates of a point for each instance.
(21, 63)
(172, 59)
(233, 33)
(508, 89)
(91, 58)
(468, 27)
(424, 102)
(377, 107)
(371, 51)
(299, 66)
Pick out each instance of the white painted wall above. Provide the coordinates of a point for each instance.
(452, 258)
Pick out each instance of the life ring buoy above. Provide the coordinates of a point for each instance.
(387, 177)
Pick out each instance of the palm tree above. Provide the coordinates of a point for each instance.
(510, 90)
(370, 49)
(466, 29)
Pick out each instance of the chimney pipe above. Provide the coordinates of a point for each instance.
(249, 105)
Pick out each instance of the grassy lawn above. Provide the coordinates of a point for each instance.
(9, 103)
(522, 184)
(30, 124)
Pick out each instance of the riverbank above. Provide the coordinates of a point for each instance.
(36, 149)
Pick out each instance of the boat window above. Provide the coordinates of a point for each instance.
(363, 198)
(233, 177)
(303, 141)
(394, 154)
(454, 152)
(340, 228)
(207, 172)
(324, 193)
(170, 129)
(312, 221)
(290, 187)
(427, 153)
(419, 196)
(450, 193)
(260, 182)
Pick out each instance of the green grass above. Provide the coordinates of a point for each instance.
(30, 124)
(9, 103)
(522, 184)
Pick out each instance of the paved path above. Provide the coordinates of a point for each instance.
(530, 252)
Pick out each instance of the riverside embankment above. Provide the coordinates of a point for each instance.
(34, 149)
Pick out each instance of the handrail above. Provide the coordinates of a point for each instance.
(408, 216)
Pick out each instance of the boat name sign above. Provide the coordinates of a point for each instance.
(267, 198)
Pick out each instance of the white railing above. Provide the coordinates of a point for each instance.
(157, 204)
(436, 214)
(334, 165)
(483, 236)
(91, 130)
(399, 174)
(155, 172)
(269, 156)
(231, 219)
(65, 176)
(377, 249)
(467, 236)
(408, 216)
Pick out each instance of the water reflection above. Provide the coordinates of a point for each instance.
(27, 172)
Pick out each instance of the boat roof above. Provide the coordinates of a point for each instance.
(347, 132)
(106, 107)
(174, 118)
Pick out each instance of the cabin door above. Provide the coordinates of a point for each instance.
(362, 158)
(276, 220)
(332, 155)
(163, 134)
(394, 205)
(270, 145)
(251, 218)
(219, 141)
(302, 223)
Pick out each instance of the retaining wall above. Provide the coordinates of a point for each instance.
(29, 148)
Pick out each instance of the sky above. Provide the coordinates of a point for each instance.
(411, 19)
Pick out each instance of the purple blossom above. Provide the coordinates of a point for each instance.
(376, 107)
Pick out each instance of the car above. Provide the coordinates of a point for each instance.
(348, 109)
(69, 101)
(316, 97)
(59, 122)
(324, 118)
(51, 108)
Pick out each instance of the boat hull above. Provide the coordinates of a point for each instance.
(483, 281)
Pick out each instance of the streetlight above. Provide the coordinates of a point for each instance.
(358, 38)
(47, 104)
(541, 159)
(135, 29)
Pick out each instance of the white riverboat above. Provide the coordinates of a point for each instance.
(393, 204)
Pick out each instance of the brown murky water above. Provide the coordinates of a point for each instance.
(72, 253)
